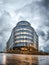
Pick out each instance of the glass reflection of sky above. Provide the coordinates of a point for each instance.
(2, 58)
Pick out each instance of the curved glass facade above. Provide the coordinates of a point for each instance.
(23, 35)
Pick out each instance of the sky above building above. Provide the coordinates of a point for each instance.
(34, 11)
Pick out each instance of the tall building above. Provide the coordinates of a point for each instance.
(23, 35)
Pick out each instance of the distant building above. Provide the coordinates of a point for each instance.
(23, 35)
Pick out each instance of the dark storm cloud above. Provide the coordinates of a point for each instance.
(41, 33)
(46, 48)
(47, 35)
(46, 3)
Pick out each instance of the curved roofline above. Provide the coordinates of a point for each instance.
(23, 22)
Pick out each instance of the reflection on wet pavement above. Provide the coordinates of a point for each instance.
(19, 59)
(22, 60)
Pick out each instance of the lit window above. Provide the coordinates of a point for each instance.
(23, 29)
(23, 37)
(23, 41)
(23, 33)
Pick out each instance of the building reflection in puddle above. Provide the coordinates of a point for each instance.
(4, 59)
(21, 60)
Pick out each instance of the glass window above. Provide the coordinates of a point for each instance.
(23, 37)
(23, 41)
(23, 33)
(23, 29)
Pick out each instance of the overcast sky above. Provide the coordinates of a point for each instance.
(34, 11)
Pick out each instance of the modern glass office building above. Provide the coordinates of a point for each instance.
(23, 35)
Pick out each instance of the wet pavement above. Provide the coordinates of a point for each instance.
(21, 59)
